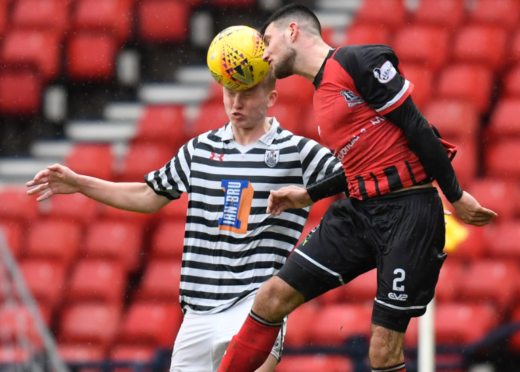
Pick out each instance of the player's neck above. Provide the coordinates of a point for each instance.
(309, 62)
(246, 136)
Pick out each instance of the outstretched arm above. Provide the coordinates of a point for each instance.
(130, 196)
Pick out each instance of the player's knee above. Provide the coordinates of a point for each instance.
(275, 299)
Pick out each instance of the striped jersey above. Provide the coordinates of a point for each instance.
(231, 244)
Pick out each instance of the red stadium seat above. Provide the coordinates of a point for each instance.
(512, 82)
(88, 282)
(91, 56)
(337, 323)
(298, 330)
(481, 44)
(319, 208)
(45, 279)
(389, 13)
(504, 13)
(311, 223)
(12, 232)
(234, 3)
(453, 118)
(73, 207)
(31, 47)
(3, 16)
(107, 16)
(20, 92)
(448, 285)
(496, 195)
(473, 247)
(514, 48)
(422, 79)
(114, 214)
(132, 354)
(423, 45)
(175, 210)
(503, 159)
(333, 296)
(360, 34)
(71, 353)
(296, 89)
(42, 14)
(91, 160)
(312, 363)
(15, 321)
(13, 355)
(465, 162)
(160, 282)
(363, 288)
(116, 240)
(289, 114)
(16, 205)
(162, 123)
(57, 240)
(484, 277)
(163, 20)
(470, 83)
(212, 115)
(514, 341)
(502, 240)
(168, 240)
(503, 123)
(90, 324)
(143, 158)
(448, 14)
(151, 325)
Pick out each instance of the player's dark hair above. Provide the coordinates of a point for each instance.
(293, 11)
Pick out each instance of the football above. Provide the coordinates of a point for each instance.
(235, 58)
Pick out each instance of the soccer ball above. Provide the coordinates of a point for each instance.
(235, 58)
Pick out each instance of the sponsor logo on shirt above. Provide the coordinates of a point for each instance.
(351, 98)
(385, 73)
(272, 157)
(238, 197)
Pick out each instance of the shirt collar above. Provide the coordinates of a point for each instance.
(319, 75)
(227, 133)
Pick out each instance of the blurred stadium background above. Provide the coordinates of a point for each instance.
(112, 88)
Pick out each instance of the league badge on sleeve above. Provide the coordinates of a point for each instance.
(271, 157)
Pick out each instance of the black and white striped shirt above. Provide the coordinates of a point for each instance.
(231, 244)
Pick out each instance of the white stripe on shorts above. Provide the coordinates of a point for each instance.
(320, 266)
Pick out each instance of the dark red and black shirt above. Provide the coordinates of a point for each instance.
(355, 88)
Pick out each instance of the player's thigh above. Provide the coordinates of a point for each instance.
(193, 344)
(409, 268)
(333, 253)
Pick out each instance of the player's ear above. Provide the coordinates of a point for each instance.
(293, 31)
(273, 97)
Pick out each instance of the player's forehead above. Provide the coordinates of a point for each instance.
(269, 32)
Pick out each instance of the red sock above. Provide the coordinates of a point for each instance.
(251, 346)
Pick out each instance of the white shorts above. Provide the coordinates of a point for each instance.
(203, 338)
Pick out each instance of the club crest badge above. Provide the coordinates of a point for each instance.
(271, 157)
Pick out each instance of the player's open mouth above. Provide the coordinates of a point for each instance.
(237, 115)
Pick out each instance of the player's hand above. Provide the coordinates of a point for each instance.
(56, 179)
(469, 211)
(288, 197)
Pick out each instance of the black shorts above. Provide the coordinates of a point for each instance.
(401, 234)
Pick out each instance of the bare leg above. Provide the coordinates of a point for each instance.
(386, 347)
(275, 299)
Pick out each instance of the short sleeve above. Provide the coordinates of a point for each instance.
(377, 76)
(173, 179)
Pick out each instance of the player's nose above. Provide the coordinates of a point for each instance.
(265, 56)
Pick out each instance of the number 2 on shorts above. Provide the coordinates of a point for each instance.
(399, 279)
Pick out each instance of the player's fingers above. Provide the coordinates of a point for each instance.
(47, 195)
(487, 212)
(38, 189)
(55, 167)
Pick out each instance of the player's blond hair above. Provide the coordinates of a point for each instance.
(269, 81)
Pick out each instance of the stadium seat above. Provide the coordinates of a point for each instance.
(465, 162)
(91, 57)
(363, 288)
(514, 48)
(163, 20)
(514, 341)
(503, 123)
(71, 353)
(15, 205)
(175, 210)
(504, 13)
(339, 322)
(13, 236)
(153, 325)
(482, 279)
(425, 46)
(319, 208)
(15, 321)
(360, 34)
(162, 124)
(88, 282)
(90, 324)
(422, 79)
(57, 240)
(20, 92)
(3, 16)
(131, 354)
(389, 13)
(143, 158)
(333, 296)
(13, 355)
(502, 240)
(448, 14)
(160, 282)
(45, 279)
(116, 240)
(114, 214)
(42, 14)
(497, 195)
(298, 330)
(168, 240)
(473, 247)
(40, 49)
(448, 285)
(212, 115)
(289, 114)
(106, 16)
(312, 363)
(503, 159)
(512, 82)
(481, 44)
(73, 207)
(453, 118)
(296, 89)
(470, 83)
(91, 159)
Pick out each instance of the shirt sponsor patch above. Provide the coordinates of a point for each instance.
(385, 73)
(238, 197)
(351, 98)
